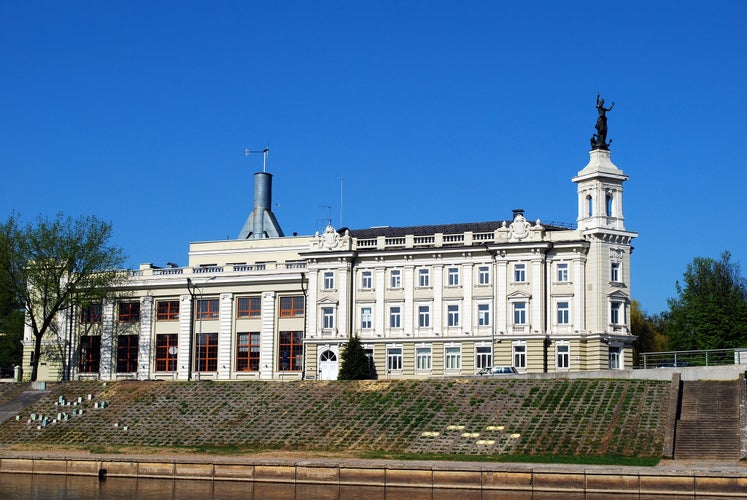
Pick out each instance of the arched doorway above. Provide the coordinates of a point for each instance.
(328, 365)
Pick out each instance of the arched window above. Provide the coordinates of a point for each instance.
(589, 205)
(609, 205)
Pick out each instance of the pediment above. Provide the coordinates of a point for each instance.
(519, 294)
(327, 301)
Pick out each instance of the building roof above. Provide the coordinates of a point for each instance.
(458, 228)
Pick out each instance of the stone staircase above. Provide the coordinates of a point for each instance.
(707, 426)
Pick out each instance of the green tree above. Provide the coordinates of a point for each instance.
(354, 364)
(648, 332)
(49, 265)
(710, 310)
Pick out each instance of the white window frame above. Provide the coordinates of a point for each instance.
(562, 355)
(423, 358)
(393, 315)
(329, 280)
(395, 278)
(452, 276)
(520, 272)
(562, 270)
(519, 310)
(366, 280)
(483, 356)
(519, 355)
(615, 272)
(617, 312)
(394, 359)
(424, 316)
(483, 275)
(563, 313)
(424, 277)
(452, 316)
(366, 317)
(483, 314)
(328, 318)
(452, 357)
(615, 357)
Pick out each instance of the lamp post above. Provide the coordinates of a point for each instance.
(191, 287)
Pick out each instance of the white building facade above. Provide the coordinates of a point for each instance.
(425, 301)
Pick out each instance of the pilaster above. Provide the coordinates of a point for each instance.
(107, 340)
(145, 339)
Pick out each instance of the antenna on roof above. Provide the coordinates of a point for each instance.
(265, 152)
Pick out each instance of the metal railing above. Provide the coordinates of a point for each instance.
(710, 357)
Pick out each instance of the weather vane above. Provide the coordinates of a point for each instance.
(265, 151)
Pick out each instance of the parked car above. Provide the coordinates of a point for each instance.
(497, 370)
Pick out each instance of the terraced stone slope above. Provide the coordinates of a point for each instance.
(445, 416)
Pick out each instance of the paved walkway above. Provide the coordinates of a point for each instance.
(15, 405)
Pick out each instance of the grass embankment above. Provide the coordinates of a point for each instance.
(563, 421)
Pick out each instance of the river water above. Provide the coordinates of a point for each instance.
(33, 486)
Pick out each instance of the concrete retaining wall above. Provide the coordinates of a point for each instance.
(655, 482)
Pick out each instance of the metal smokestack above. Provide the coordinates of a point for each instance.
(261, 222)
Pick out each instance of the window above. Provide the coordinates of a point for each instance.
(167, 310)
(609, 205)
(453, 314)
(424, 316)
(483, 275)
(366, 280)
(520, 273)
(90, 352)
(614, 358)
(249, 307)
(366, 318)
(129, 312)
(395, 279)
(563, 315)
(483, 357)
(291, 306)
(247, 351)
(562, 270)
(520, 313)
(423, 358)
(453, 358)
(424, 278)
(207, 309)
(453, 276)
(91, 314)
(394, 359)
(563, 353)
(520, 356)
(615, 272)
(483, 314)
(589, 206)
(291, 351)
(615, 310)
(395, 317)
(328, 318)
(329, 280)
(207, 352)
(127, 347)
(166, 351)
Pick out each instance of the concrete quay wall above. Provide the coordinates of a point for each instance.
(654, 482)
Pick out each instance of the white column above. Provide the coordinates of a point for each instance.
(342, 297)
(382, 325)
(145, 339)
(538, 298)
(311, 301)
(108, 342)
(184, 341)
(408, 315)
(501, 287)
(225, 336)
(267, 337)
(438, 299)
(579, 299)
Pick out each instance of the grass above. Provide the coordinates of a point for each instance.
(544, 459)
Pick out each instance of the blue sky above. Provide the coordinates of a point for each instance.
(431, 111)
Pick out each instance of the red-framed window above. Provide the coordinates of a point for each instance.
(249, 307)
(247, 351)
(127, 347)
(207, 352)
(290, 351)
(166, 351)
(167, 310)
(291, 306)
(129, 312)
(207, 309)
(91, 314)
(90, 354)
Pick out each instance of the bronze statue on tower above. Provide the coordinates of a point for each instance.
(599, 140)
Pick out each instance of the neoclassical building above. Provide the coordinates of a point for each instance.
(425, 301)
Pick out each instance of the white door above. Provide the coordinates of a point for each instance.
(328, 365)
